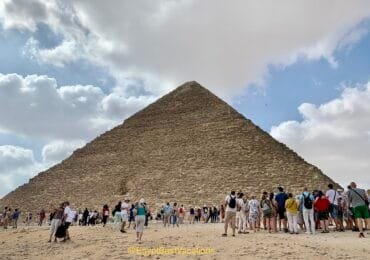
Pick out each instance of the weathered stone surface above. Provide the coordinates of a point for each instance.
(188, 146)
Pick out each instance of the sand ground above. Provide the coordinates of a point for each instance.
(108, 243)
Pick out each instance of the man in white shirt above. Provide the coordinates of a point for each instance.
(333, 197)
(68, 218)
(124, 214)
(231, 205)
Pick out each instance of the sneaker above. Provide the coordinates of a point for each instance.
(361, 235)
(224, 235)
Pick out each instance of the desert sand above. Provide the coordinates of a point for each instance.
(108, 243)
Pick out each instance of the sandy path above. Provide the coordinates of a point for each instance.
(108, 243)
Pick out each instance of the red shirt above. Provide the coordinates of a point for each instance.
(322, 204)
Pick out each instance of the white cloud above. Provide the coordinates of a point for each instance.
(16, 166)
(334, 136)
(34, 106)
(224, 46)
(58, 150)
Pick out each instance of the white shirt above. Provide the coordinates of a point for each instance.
(124, 208)
(332, 196)
(70, 214)
(253, 206)
(227, 200)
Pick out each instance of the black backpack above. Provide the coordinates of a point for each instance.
(232, 202)
(307, 201)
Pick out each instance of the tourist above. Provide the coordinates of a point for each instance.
(231, 206)
(322, 206)
(175, 215)
(124, 213)
(307, 199)
(191, 215)
(15, 218)
(167, 214)
(42, 216)
(300, 220)
(28, 219)
(222, 213)
(340, 213)
(140, 209)
(333, 197)
(254, 213)
(215, 214)
(267, 212)
(359, 201)
(131, 217)
(280, 199)
(85, 216)
(291, 207)
(67, 218)
(56, 221)
(5, 218)
(205, 214)
(105, 214)
(181, 214)
(240, 217)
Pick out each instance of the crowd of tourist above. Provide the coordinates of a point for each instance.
(308, 211)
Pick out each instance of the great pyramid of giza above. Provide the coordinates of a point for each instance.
(189, 146)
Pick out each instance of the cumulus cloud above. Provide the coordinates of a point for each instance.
(334, 136)
(58, 150)
(35, 106)
(224, 46)
(16, 166)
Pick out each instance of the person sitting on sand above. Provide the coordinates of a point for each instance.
(141, 209)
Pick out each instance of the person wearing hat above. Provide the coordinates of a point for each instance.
(124, 214)
(140, 209)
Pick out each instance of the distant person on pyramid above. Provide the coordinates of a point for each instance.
(140, 209)
(360, 205)
(280, 199)
(125, 210)
(230, 218)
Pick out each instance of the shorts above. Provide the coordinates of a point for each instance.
(361, 212)
(140, 221)
(323, 215)
(281, 213)
(253, 217)
(230, 218)
(124, 217)
(334, 211)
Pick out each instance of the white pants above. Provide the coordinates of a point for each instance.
(242, 222)
(292, 222)
(55, 223)
(309, 220)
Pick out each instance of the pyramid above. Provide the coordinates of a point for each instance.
(189, 146)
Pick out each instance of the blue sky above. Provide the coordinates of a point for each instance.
(69, 72)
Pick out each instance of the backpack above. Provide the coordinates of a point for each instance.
(232, 202)
(307, 201)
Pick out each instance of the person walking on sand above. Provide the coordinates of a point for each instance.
(105, 214)
(42, 216)
(322, 206)
(280, 199)
(360, 204)
(68, 219)
(333, 197)
(181, 214)
(125, 208)
(291, 206)
(230, 218)
(175, 215)
(307, 199)
(167, 214)
(56, 221)
(140, 209)
(15, 218)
